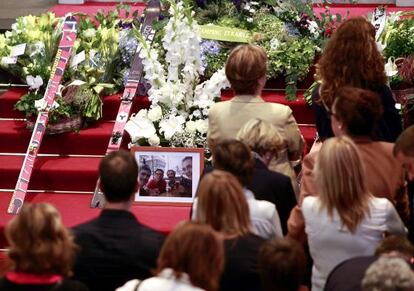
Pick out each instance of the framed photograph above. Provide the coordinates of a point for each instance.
(168, 175)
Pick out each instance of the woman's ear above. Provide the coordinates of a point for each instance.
(262, 81)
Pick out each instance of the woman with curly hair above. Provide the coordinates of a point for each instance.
(351, 58)
(42, 252)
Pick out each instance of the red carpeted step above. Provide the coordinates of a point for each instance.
(110, 108)
(111, 105)
(7, 101)
(52, 173)
(92, 140)
(74, 209)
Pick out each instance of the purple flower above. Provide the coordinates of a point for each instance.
(238, 4)
(201, 3)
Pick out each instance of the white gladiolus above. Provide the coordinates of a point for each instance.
(154, 140)
(191, 126)
(140, 127)
(155, 113)
(172, 125)
(202, 125)
(174, 91)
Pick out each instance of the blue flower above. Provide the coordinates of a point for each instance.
(210, 46)
(291, 29)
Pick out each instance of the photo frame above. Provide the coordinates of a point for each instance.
(168, 175)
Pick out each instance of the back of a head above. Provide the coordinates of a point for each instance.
(118, 172)
(245, 65)
(405, 142)
(358, 109)
(261, 136)
(195, 249)
(388, 274)
(222, 205)
(351, 58)
(39, 243)
(395, 243)
(235, 157)
(340, 180)
(282, 265)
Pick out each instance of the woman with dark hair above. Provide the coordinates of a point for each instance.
(191, 259)
(222, 205)
(351, 58)
(42, 252)
(354, 113)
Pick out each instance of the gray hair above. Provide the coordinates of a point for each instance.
(388, 274)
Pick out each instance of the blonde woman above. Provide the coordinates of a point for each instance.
(222, 205)
(266, 143)
(42, 251)
(246, 71)
(345, 220)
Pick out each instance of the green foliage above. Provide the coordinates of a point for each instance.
(400, 40)
(97, 74)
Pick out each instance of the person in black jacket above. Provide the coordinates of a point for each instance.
(221, 204)
(265, 142)
(115, 247)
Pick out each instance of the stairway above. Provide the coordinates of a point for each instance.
(66, 169)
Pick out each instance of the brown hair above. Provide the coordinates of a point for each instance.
(39, 243)
(341, 181)
(221, 204)
(261, 136)
(235, 157)
(405, 142)
(282, 265)
(350, 58)
(358, 109)
(397, 243)
(118, 172)
(245, 65)
(197, 250)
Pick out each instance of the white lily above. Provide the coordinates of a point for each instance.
(390, 67)
(34, 82)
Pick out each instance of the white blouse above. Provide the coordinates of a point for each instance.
(330, 243)
(164, 281)
(263, 216)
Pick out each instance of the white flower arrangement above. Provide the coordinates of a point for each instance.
(178, 115)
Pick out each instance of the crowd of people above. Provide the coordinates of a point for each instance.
(253, 225)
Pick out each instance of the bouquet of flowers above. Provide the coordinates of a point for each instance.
(28, 50)
(178, 115)
(397, 42)
(289, 31)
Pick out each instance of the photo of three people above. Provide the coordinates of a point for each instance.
(165, 176)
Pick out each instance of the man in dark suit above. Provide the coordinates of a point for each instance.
(115, 247)
(273, 187)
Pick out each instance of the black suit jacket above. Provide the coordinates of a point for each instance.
(115, 248)
(273, 187)
(348, 275)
